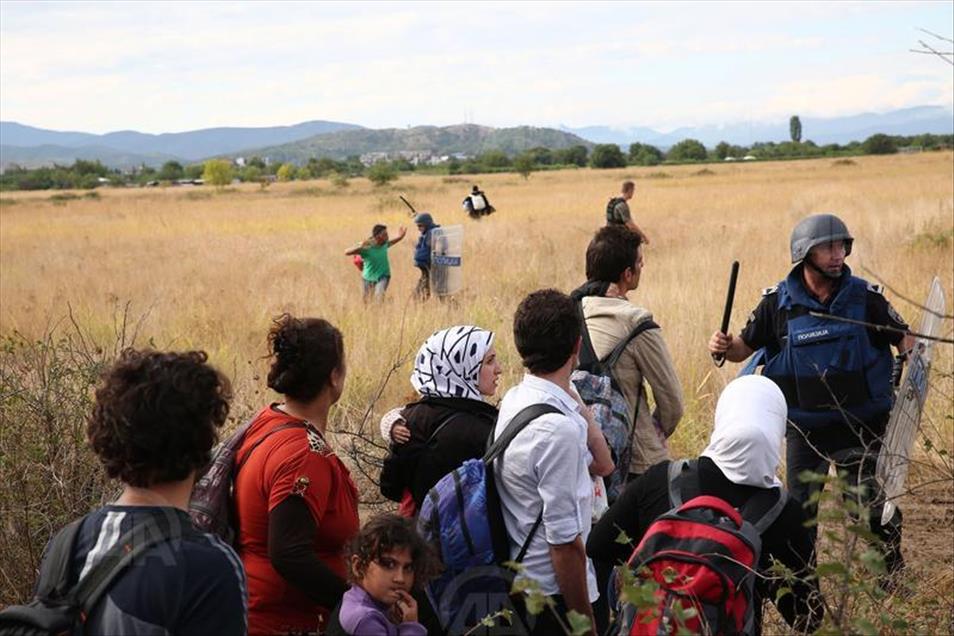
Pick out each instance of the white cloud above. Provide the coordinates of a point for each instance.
(162, 66)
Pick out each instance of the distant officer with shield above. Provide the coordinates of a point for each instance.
(836, 375)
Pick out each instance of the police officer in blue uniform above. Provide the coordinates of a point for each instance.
(836, 376)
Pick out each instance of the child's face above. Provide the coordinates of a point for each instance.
(421, 228)
(389, 575)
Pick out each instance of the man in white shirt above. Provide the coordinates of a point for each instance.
(548, 467)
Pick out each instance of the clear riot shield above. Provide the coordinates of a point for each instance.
(447, 274)
(892, 469)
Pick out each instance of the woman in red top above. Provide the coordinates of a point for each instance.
(296, 503)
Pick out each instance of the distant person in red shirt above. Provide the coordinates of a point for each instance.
(296, 503)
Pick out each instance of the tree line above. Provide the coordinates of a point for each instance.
(84, 174)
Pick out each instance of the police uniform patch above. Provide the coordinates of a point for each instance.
(877, 289)
(768, 291)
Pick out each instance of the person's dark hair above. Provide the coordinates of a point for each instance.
(627, 186)
(157, 416)
(377, 229)
(546, 328)
(305, 352)
(612, 250)
(388, 532)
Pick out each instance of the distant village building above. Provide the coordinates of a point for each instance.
(414, 157)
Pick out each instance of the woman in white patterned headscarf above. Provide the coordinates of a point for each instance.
(454, 370)
(449, 364)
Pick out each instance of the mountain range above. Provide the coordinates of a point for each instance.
(468, 139)
(834, 130)
(30, 146)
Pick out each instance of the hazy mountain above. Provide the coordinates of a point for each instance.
(462, 138)
(840, 130)
(189, 146)
(47, 154)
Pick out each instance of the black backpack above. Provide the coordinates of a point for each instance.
(211, 505)
(58, 610)
(611, 217)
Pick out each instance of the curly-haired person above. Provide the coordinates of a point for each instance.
(296, 504)
(389, 561)
(154, 423)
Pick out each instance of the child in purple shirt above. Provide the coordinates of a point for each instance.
(387, 558)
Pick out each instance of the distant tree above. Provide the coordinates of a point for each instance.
(352, 166)
(321, 167)
(217, 172)
(82, 167)
(453, 166)
(644, 155)
(193, 171)
(574, 155)
(524, 164)
(795, 128)
(539, 156)
(251, 174)
(256, 161)
(303, 173)
(687, 150)
(382, 173)
(286, 172)
(607, 156)
(723, 150)
(879, 144)
(339, 180)
(494, 159)
(171, 170)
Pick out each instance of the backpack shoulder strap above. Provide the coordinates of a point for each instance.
(498, 446)
(129, 546)
(613, 356)
(517, 424)
(769, 501)
(588, 359)
(281, 427)
(683, 481)
(440, 427)
(55, 568)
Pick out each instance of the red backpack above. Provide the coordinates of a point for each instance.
(703, 554)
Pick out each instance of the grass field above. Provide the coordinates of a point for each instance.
(207, 269)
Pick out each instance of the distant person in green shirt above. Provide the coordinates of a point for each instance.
(376, 271)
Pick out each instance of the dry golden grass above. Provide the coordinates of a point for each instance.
(211, 268)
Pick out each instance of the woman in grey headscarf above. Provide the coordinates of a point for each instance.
(454, 370)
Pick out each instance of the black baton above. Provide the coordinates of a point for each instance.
(719, 358)
(408, 204)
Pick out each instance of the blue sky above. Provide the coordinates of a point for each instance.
(163, 67)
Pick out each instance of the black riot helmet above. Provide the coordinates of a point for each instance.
(818, 229)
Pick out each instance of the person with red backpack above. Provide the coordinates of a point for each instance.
(706, 531)
(295, 502)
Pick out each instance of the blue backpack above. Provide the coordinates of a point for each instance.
(461, 517)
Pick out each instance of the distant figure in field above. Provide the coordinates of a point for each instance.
(617, 210)
(422, 253)
(477, 204)
(376, 268)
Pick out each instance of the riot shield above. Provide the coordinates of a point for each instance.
(447, 245)
(905, 417)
